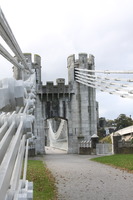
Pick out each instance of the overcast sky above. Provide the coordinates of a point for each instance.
(55, 29)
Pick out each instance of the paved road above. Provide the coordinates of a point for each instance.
(79, 178)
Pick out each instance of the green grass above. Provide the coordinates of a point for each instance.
(122, 161)
(43, 181)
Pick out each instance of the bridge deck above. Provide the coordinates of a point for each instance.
(51, 150)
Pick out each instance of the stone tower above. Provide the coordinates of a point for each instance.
(82, 121)
(39, 118)
(76, 103)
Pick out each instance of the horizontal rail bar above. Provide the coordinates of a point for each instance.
(18, 166)
(25, 161)
(8, 37)
(8, 56)
(8, 162)
(3, 129)
(6, 140)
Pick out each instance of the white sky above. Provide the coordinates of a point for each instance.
(55, 29)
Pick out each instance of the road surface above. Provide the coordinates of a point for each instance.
(79, 178)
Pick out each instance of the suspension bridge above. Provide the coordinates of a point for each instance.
(35, 115)
(58, 139)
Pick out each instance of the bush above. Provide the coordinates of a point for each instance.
(106, 139)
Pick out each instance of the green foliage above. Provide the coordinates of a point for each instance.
(101, 132)
(123, 121)
(120, 122)
(106, 139)
(110, 122)
(123, 161)
(132, 140)
(44, 183)
(102, 122)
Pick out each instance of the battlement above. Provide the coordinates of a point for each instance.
(33, 65)
(70, 60)
(59, 88)
(36, 61)
(74, 102)
(60, 81)
(82, 60)
(28, 57)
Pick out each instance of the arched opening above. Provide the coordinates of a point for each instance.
(56, 135)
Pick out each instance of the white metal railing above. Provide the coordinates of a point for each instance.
(8, 37)
(85, 144)
(17, 98)
(15, 132)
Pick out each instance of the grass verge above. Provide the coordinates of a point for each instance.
(122, 161)
(44, 182)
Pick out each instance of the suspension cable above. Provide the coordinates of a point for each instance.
(119, 86)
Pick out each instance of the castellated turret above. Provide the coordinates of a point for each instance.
(75, 102)
(37, 66)
(20, 74)
(83, 122)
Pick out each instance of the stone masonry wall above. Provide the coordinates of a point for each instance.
(75, 102)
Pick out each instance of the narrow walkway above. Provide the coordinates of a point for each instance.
(78, 178)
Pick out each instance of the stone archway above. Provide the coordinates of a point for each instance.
(56, 135)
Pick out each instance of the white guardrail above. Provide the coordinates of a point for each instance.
(15, 129)
(17, 98)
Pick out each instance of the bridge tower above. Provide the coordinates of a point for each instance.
(74, 102)
(39, 117)
(82, 119)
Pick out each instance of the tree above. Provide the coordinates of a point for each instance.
(110, 123)
(101, 132)
(102, 122)
(123, 121)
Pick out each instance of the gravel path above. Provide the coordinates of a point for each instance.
(78, 178)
